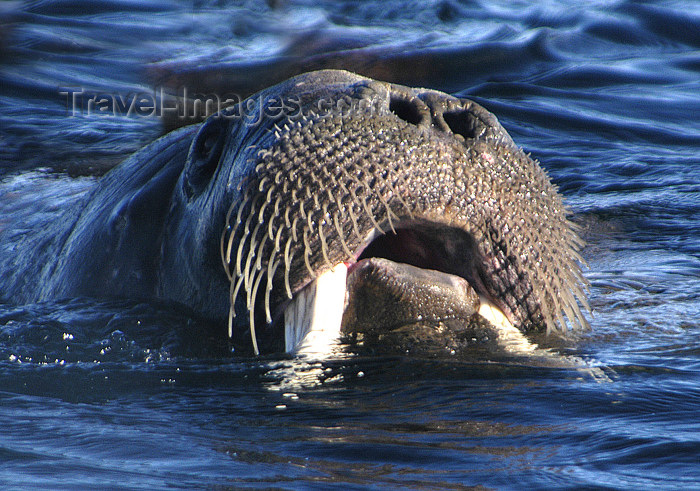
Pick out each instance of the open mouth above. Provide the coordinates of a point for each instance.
(421, 274)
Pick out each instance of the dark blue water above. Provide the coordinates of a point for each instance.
(114, 394)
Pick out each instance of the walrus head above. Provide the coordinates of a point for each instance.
(406, 197)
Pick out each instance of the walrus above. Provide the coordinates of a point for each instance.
(330, 204)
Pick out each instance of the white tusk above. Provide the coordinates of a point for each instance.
(509, 336)
(312, 319)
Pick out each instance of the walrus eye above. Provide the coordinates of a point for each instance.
(205, 151)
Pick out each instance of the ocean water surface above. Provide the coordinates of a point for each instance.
(124, 395)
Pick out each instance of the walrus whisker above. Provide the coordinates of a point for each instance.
(568, 301)
(252, 244)
(275, 214)
(231, 315)
(240, 204)
(568, 310)
(248, 282)
(258, 262)
(287, 222)
(261, 154)
(232, 229)
(371, 215)
(251, 316)
(226, 251)
(229, 250)
(353, 219)
(560, 318)
(302, 212)
(334, 199)
(235, 290)
(363, 202)
(396, 195)
(350, 212)
(294, 229)
(307, 252)
(277, 239)
(271, 270)
(389, 213)
(579, 315)
(312, 195)
(233, 294)
(249, 268)
(261, 183)
(239, 253)
(246, 235)
(261, 212)
(310, 221)
(392, 192)
(287, 262)
(256, 231)
(295, 198)
(577, 257)
(343, 243)
(324, 247)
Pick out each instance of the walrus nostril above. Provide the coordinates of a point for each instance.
(463, 123)
(406, 109)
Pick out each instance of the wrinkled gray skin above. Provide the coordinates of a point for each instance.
(291, 189)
